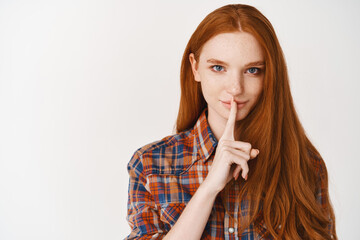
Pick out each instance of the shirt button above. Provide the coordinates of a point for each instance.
(231, 230)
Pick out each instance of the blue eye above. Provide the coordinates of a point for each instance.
(253, 70)
(217, 68)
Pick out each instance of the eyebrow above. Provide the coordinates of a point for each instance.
(216, 61)
(257, 64)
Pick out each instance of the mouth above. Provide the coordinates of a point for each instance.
(240, 104)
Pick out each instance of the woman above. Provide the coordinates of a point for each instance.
(236, 117)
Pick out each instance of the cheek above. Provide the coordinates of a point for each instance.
(258, 91)
(207, 91)
(255, 88)
(211, 93)
(211, 87)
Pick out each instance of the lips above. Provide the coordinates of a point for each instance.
(240, 104)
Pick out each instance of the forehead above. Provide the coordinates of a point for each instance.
(235, 47)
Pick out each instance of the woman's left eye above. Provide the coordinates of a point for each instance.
(253, 70)
(217, 68)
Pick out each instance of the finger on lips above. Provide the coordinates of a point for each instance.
(230, 125)
(241, 151)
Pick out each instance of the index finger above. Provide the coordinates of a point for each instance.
(230, 125)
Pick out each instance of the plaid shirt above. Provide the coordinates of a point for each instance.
(164, 175)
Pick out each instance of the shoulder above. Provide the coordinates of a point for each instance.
(170, 155)
(318, 163)
(320, 174)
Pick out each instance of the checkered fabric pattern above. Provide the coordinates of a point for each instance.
(164, 175)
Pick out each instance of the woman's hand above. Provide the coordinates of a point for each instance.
(231, 156)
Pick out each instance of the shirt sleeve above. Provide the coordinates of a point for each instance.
(143, 214)
(323, 195)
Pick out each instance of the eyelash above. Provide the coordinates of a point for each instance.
(258, 70)
(213, 68)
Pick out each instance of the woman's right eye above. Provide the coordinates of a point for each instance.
(217, 68)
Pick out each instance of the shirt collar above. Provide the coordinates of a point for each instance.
(205, 139)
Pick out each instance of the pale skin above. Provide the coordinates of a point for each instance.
(231, 156)
(192, 221)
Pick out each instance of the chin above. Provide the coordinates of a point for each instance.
(242, 115)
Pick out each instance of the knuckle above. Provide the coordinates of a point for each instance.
(226, 153)
(243, 162)
(222, 143)
(248, 146)
(225, 148)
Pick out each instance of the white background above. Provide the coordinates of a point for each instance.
(83, 84)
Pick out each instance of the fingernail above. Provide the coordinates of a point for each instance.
(246, 177)
(258, 151)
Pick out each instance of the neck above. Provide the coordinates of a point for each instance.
(217, 127)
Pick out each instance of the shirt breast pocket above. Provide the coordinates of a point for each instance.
(171, 212)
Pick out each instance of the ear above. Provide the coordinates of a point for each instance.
(194, 67)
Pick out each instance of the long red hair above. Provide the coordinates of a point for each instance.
(282, 180)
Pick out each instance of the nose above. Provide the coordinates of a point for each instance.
(235, 85)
